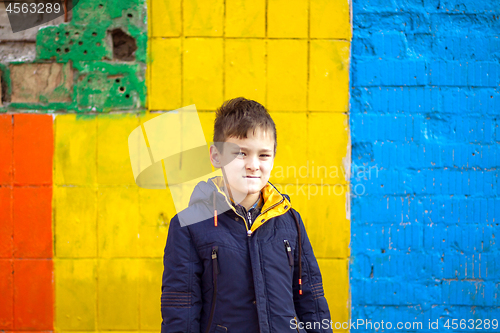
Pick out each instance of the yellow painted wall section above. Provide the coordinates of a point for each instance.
(293, 57)
(109, 234)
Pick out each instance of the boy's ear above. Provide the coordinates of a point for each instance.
(215, 157)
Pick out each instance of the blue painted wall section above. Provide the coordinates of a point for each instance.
(425, 210)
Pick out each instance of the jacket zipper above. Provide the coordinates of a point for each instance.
(249, 232)
(297, 324)
(276, 204)
(215, 272)
(289, 252)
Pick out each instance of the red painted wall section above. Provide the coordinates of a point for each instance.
(26, 250)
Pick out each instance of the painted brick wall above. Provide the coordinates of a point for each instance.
(292, 57)
(425, 109)
(103, 236)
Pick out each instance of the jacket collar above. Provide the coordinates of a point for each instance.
(275, 203)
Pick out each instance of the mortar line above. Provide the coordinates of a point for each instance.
(149, 57)
(253, 37)
(266, 56)
(224, 53)
(96, 203)
(12, 215)
(308, 52)
(181, 39)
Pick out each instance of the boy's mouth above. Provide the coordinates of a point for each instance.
(252, 177)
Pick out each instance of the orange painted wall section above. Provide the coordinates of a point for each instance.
(26, 267)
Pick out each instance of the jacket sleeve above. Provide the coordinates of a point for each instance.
(311, 306)
(181, 301)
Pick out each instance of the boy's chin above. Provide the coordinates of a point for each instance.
(242, 192)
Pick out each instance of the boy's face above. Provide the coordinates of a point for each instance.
(247, 163)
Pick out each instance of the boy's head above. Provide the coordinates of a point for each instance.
(245, 145)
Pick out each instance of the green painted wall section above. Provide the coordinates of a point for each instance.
(100, 82)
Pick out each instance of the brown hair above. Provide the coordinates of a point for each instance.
(239, 115)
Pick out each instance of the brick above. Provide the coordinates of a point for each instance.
(287, 89)
(386, 154)
(477, 266)
(382, 45)
(32, 213)
(76, 42)
(418, 266)
(390, 292)
(469, 239)
(402, 100)
(207, 124)
(33, 149)
(156, 209)
(75, 150)
(7, 292)
(464, 7)
(115, 238)
(33, 294)
(288, 165)
(75, 297)
(483, 74)
(387, 237)
(330, 19)
(287, 19)
(328, 168)
(203, 18)
(166, 18)
(149, 293)
(165, 71)
(468, 293)
(330, 231)
(118, 294)
(121, 88)
(334, 273)
(375, 5)
(387, 127)
(476, 46)
(407, 22)
(245, 69)
(299, 198)
(448, 73)
(329, 76)
(113, 161)
(245, 19)
(6, 149)
(202, 79)
(109, 86)
(75, 211)
(41, 83)
(389, 73)
(7, 225)
(462, 23)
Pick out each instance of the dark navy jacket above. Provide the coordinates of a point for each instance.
(227, 278)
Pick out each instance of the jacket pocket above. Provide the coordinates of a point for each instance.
(215, 272)
(220, 329)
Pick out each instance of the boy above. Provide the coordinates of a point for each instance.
(250, 268)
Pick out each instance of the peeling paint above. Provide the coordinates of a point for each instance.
(101, 83)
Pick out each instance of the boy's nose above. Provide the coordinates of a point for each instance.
(252, 163)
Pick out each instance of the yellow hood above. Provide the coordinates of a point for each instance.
(275, 203)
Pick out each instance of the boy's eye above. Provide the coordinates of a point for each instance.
(239, 153)
(265, 155)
